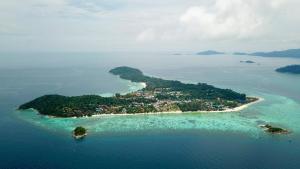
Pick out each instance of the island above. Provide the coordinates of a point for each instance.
(210, 52)
(293, 69)
(290, 53)
(274, 130)
(159, 95)
(177, 54)
(247, 61)
(79, 132)
(240, 53)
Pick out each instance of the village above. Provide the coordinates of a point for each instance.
(161, 100)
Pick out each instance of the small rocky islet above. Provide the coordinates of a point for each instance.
(79, 132)
(274, 130)
(247, 61)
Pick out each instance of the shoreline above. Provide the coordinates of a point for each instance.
(236, 109)
(144, 85)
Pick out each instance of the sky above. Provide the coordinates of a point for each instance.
(143, 25)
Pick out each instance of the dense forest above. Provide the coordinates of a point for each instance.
(200, 90)
(77, 106)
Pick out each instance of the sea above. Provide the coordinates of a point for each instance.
(231, 140)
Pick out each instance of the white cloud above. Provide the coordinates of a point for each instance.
(127, 24)
(277, 3)
(224, 20)
(232, 19)
(147, 35)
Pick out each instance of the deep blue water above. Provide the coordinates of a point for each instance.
(37, 149)
(25, 145)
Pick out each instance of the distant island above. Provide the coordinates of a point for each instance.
(240, 53)
(293, 69)
(210, 52)
(177, 54)
(159, 95)
(247, 61)
(292, 53)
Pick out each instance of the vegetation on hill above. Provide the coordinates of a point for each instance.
(200, 90)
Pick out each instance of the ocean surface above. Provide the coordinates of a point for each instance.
(164, 141)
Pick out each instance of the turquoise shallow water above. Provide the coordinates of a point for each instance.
(166, 141)
(279, 106)
(274, 109)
